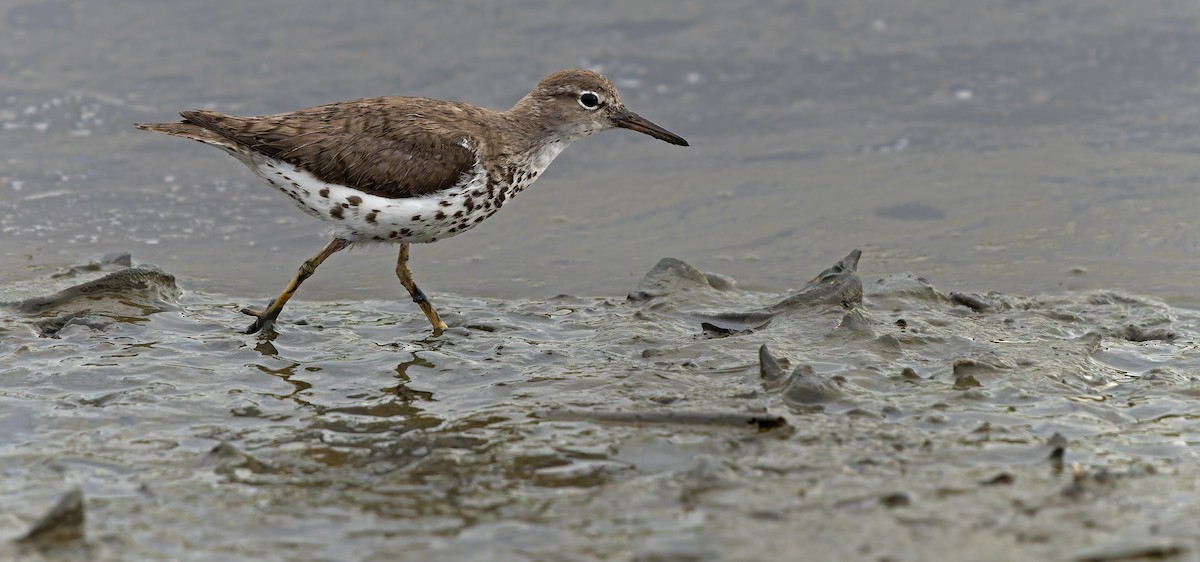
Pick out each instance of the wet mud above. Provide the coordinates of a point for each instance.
(122, 293)
(690, 420)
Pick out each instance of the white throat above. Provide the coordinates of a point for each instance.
(542, 156)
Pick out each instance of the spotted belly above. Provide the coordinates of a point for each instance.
(361, 217)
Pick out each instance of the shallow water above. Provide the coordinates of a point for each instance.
(1039, 150)
(1033, 130)
(606, 428)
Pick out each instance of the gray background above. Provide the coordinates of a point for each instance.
(1012, 145)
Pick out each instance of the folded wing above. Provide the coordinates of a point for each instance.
(391, 147)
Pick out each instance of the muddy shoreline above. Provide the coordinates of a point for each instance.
(691, 420)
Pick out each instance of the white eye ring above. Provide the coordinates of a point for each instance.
(587, 96)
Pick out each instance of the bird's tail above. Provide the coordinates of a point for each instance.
(188, 131)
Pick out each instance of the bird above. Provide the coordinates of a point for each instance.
(409, 170)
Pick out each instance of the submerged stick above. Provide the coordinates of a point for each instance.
(759, 422)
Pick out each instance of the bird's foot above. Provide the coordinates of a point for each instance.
(439, 329)
(263, 322)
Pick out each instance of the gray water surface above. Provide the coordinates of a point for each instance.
(1056, 139)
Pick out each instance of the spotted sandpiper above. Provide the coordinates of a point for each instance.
(409, 170)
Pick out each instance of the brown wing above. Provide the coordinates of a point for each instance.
(391, 147)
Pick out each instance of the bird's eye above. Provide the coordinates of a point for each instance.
(589, 100)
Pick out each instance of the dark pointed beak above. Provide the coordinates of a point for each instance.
(629, 120)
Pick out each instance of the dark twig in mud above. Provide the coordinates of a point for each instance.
(760, 422)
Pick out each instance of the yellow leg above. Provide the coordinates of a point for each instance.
(418, 297)
(266, 319)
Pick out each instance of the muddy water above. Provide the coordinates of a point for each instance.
(882, 419)
(1026, 392)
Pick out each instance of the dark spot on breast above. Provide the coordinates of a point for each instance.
(336, 213)
(371, 216)
(433, 239)
(394, 234)
(405, 232)
(324, 192)
(479, 219)
(470, 204)
(453, 229)
(345, 205)
(440, 215)
(458, 215)
(378, 238)
(416, 218)
(272, 182)
(295, 185)
(285, 176)
(354, 200)
(445, 202)
(478, 192)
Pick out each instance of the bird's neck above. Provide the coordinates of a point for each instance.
(536, 130)
(527, 144)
